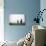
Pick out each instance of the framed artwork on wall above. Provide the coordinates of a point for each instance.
(16, 19)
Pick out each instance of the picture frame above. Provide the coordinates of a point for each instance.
(16, 19)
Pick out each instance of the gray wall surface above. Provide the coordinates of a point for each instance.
(26, 7)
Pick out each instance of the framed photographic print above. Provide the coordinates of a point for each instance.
(17, 19)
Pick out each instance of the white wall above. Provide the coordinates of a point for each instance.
(43, 6)
(1, 21)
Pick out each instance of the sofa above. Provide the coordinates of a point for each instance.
(39, 35)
